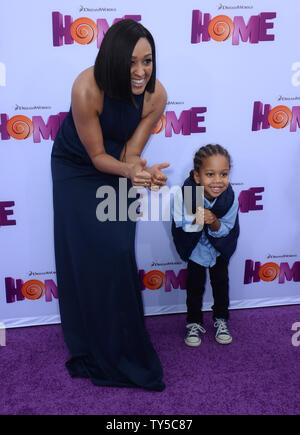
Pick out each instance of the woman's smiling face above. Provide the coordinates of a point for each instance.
(141, 66)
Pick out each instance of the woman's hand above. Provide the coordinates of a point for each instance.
(139, 176)
(158, 178)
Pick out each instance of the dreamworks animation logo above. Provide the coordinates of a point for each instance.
(279, 117)
(221, 28)
(83, 30)
(187, 123)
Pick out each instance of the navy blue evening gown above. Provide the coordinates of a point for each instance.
(100, 297)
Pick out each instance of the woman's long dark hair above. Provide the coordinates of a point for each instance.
(113, 62)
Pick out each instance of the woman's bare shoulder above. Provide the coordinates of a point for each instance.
(86, 91)
(157, 100)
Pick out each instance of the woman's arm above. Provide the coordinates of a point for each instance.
(87, 105)
(154, 105)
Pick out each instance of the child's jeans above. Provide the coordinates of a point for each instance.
(196, 286)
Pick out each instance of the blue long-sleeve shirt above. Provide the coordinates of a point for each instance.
(204, 253)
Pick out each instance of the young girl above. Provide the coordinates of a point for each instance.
(213, 246)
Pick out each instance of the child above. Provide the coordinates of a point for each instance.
(213, 246)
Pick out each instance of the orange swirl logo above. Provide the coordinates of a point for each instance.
(221, 28)
(19, 127)
(280, 116)
(154, 280)
(269, 271)
(33, 289)
(84, 30)
(160, 125)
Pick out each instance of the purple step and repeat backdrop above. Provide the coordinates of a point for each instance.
(232, 74)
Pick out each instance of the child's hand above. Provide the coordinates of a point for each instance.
(209, 217)
(206, 217)
(211, 220)
(199, 217)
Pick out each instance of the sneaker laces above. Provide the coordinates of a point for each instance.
(221, 324)
(194, 328)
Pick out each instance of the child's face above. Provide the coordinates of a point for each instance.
(213, 176)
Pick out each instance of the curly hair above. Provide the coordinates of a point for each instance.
(208, 151)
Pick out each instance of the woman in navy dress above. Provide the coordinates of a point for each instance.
(115, 106)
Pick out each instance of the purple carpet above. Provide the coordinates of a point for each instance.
(259, 373)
